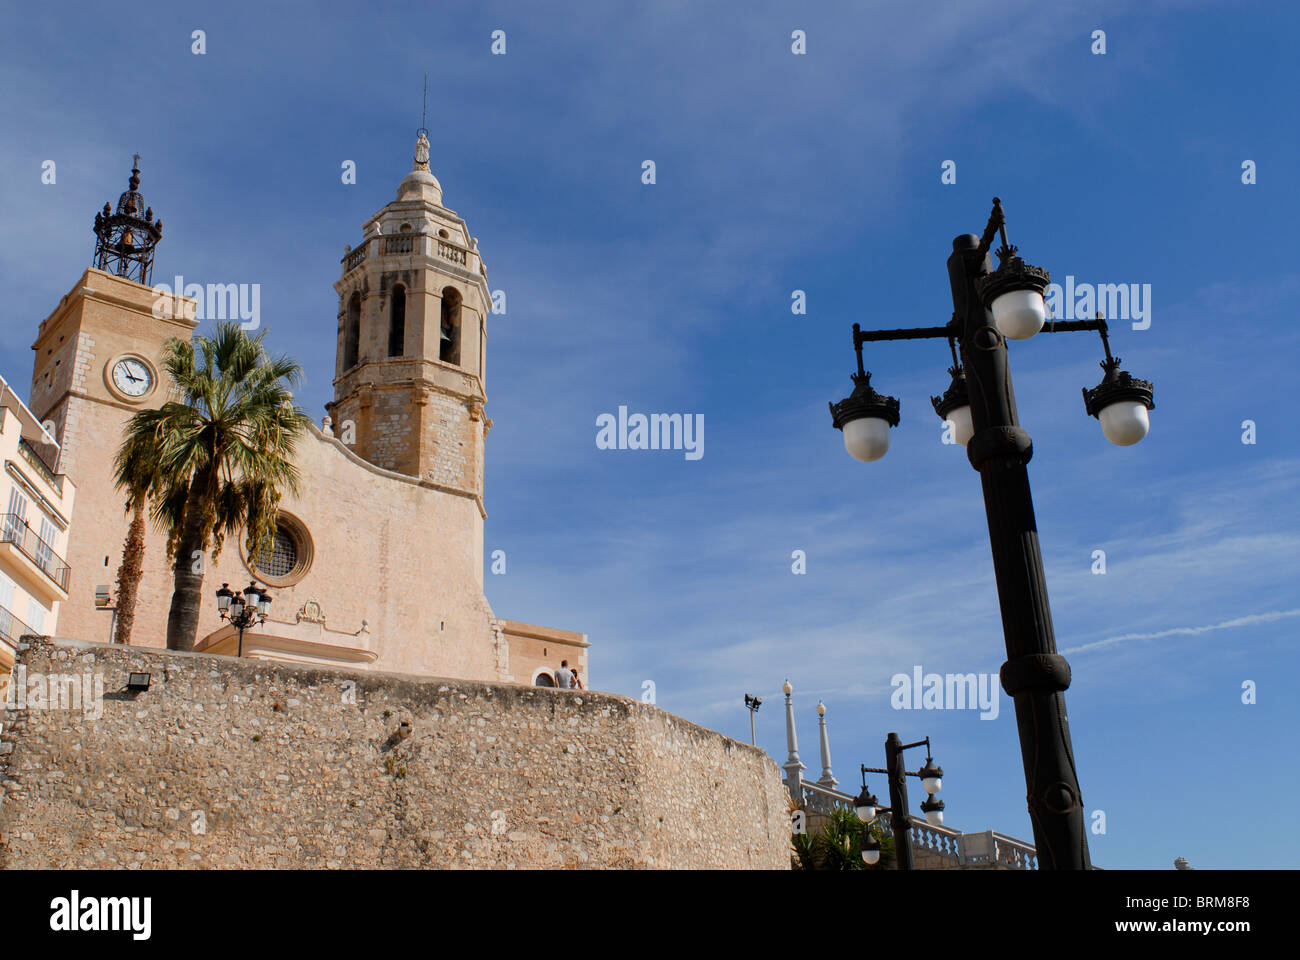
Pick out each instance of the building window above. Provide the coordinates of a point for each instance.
(352, 332)
(279, 556)
(449, 346)
(397, 323)
(16, 519)
(543, 679)
(285, 557)
(45, 545)
(36, 615)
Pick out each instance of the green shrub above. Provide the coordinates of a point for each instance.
(838, 845)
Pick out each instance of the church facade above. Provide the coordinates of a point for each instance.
(378, 562)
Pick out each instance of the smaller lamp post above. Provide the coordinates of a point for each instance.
(932, 782)
(243, 610)
(868, 807)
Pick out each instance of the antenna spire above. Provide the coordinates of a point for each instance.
(424, 114)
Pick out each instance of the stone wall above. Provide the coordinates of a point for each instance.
(228, 763)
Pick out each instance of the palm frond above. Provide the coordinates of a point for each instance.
(223, 445)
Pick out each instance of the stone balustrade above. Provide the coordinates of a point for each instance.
(402, 243)
(453, 252)
(937, 847)
(353, 259)
(408, 243)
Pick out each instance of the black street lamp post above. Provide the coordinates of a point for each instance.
(243, 610)
(980, 408)
(867, 806)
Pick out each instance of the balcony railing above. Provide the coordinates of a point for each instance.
(33, 457)
(14, 529)
(353, 259)
(11, 628)
(400, 244)
(452, 252)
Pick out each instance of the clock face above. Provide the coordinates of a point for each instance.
(133, 377)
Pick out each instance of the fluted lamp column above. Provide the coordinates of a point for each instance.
(827, 779)
(793, 766)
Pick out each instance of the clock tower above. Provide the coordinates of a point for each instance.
(98, 361)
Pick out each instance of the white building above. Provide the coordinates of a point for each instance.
(35, 509)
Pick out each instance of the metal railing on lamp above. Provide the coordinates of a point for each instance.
(868, 807)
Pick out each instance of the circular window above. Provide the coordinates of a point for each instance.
(285, 556)
(279, 556)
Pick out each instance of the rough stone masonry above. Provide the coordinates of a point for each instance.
(230, 763)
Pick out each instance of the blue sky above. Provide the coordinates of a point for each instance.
(778, 172)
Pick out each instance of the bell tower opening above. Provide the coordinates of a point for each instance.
(449, 328)
(351, 331)
(397, 322)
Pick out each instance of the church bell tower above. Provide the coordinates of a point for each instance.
(413, 306)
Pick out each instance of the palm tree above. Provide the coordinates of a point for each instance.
(223, 449)
(135, 470)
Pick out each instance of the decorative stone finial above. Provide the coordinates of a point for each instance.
(827, 778)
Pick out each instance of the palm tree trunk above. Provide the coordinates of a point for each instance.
(128, 574)
(187, 584)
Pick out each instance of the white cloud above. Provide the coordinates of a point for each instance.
(1246, 621)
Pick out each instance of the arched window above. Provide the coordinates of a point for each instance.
(543, 679)
(449, 347)
(352, 331)
(397, 323)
